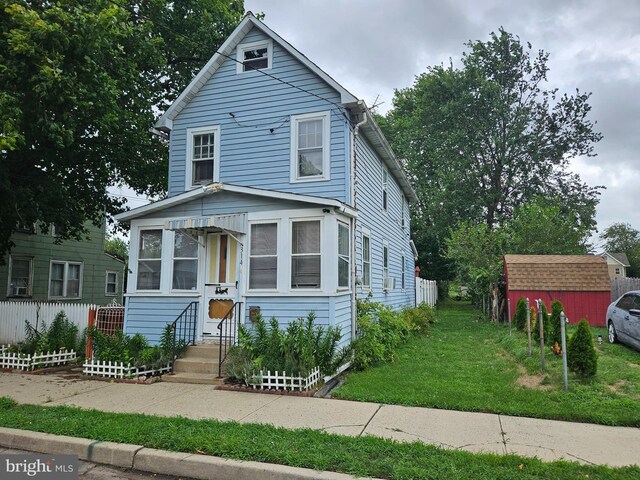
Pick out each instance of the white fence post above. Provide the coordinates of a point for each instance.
(14, 314)
(426, 291)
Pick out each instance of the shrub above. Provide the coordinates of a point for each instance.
(533, 319)
(581, 356)
(62, 333)
(555, 332)
(546, 325)
(420, 318)
(520, 316)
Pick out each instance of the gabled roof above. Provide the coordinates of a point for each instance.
(576, 273)
(165, 122)
(370, 128)
(227, 187)
(621, 258)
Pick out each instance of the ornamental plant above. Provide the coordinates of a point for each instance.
(581, 356)
(554, 324)
(520, 317)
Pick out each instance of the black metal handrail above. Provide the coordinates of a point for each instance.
(184, 327)
(228, 328)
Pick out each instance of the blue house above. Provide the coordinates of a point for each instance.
(284, 198)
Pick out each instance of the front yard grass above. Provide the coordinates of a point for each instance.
(361, 456)
(466, 363)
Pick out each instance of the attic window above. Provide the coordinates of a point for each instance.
(254, 56)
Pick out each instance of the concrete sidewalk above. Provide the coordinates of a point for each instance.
(475, 432)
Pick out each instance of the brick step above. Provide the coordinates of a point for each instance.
(193, 378)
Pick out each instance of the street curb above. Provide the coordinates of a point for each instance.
(137, 457)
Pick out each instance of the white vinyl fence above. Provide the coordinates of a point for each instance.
(14, 314)
(426, 291)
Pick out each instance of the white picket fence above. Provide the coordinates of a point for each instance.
(282, 381)
(14, 314)
(20, 361)
(120, 370)
(426, 291)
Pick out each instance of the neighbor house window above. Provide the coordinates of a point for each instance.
(366, 260)
(310, 147)
(203, 154)
(385, 188)
(111, 284)
(305, 254)
(149, 260)
(344, 255)
(617, 271)
(65, 279)
(58, 229)
(20, 276)
(263, 256)
(185, 262)
(254, 56)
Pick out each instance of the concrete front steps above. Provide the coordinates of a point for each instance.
(199, 364)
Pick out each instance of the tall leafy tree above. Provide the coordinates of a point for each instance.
(623, 238)
(81, 84)
(485, 138)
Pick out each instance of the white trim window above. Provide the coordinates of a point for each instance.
(149, 260)
(366, 259)
(385, 189)
(404, 271)
(111, 283)
(617, 271)
(310, 147)
(65, 279)
(185, 262)
(254, 56)
(263, 256)
(203, 154)
(305, 254)
(385, 264)
(20, 276)
(344, 255)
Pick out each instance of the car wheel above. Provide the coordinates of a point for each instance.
(613, 338)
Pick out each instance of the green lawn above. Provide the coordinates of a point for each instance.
(362, 456)
(468, 364)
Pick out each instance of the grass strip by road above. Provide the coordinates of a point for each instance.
(466, 363)
(361, 456)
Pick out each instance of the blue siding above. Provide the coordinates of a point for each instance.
(250, 153)
(150, 315)
(384, 226)
(341, 307)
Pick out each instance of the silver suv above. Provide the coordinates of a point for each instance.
(623, 320)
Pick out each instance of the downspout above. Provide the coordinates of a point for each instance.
(354, 204)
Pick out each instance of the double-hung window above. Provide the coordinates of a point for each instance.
(65, 279)
(385, 264)
(149, 260)
(263, 257)
(185, 262)
(385, 189)
(344, 255)
(366, 259)
(310, 147)
(254, 56)
(404, 267)
(111, 284)
(20, 276)
(305, 254)
(203, 154)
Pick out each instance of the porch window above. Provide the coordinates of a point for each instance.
(111, 284)
(305, 254)
(149, 260)
(185, 262)
(366, 260)
(20, 276)
(65, 279)
(310, 147)
(344, 255)
(263, 256)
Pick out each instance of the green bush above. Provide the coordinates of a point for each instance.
(546, 325)
(555, 332)
(581, 356)
(299, 348)
(420, 318)
(520, 316)
(62, 333)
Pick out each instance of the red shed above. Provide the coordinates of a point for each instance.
(580, 282)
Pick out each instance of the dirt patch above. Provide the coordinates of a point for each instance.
(617, 387)
(633, 365)
(531, 381)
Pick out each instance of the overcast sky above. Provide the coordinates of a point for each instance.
(375, 46)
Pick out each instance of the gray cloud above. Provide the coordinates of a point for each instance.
(373, 47)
